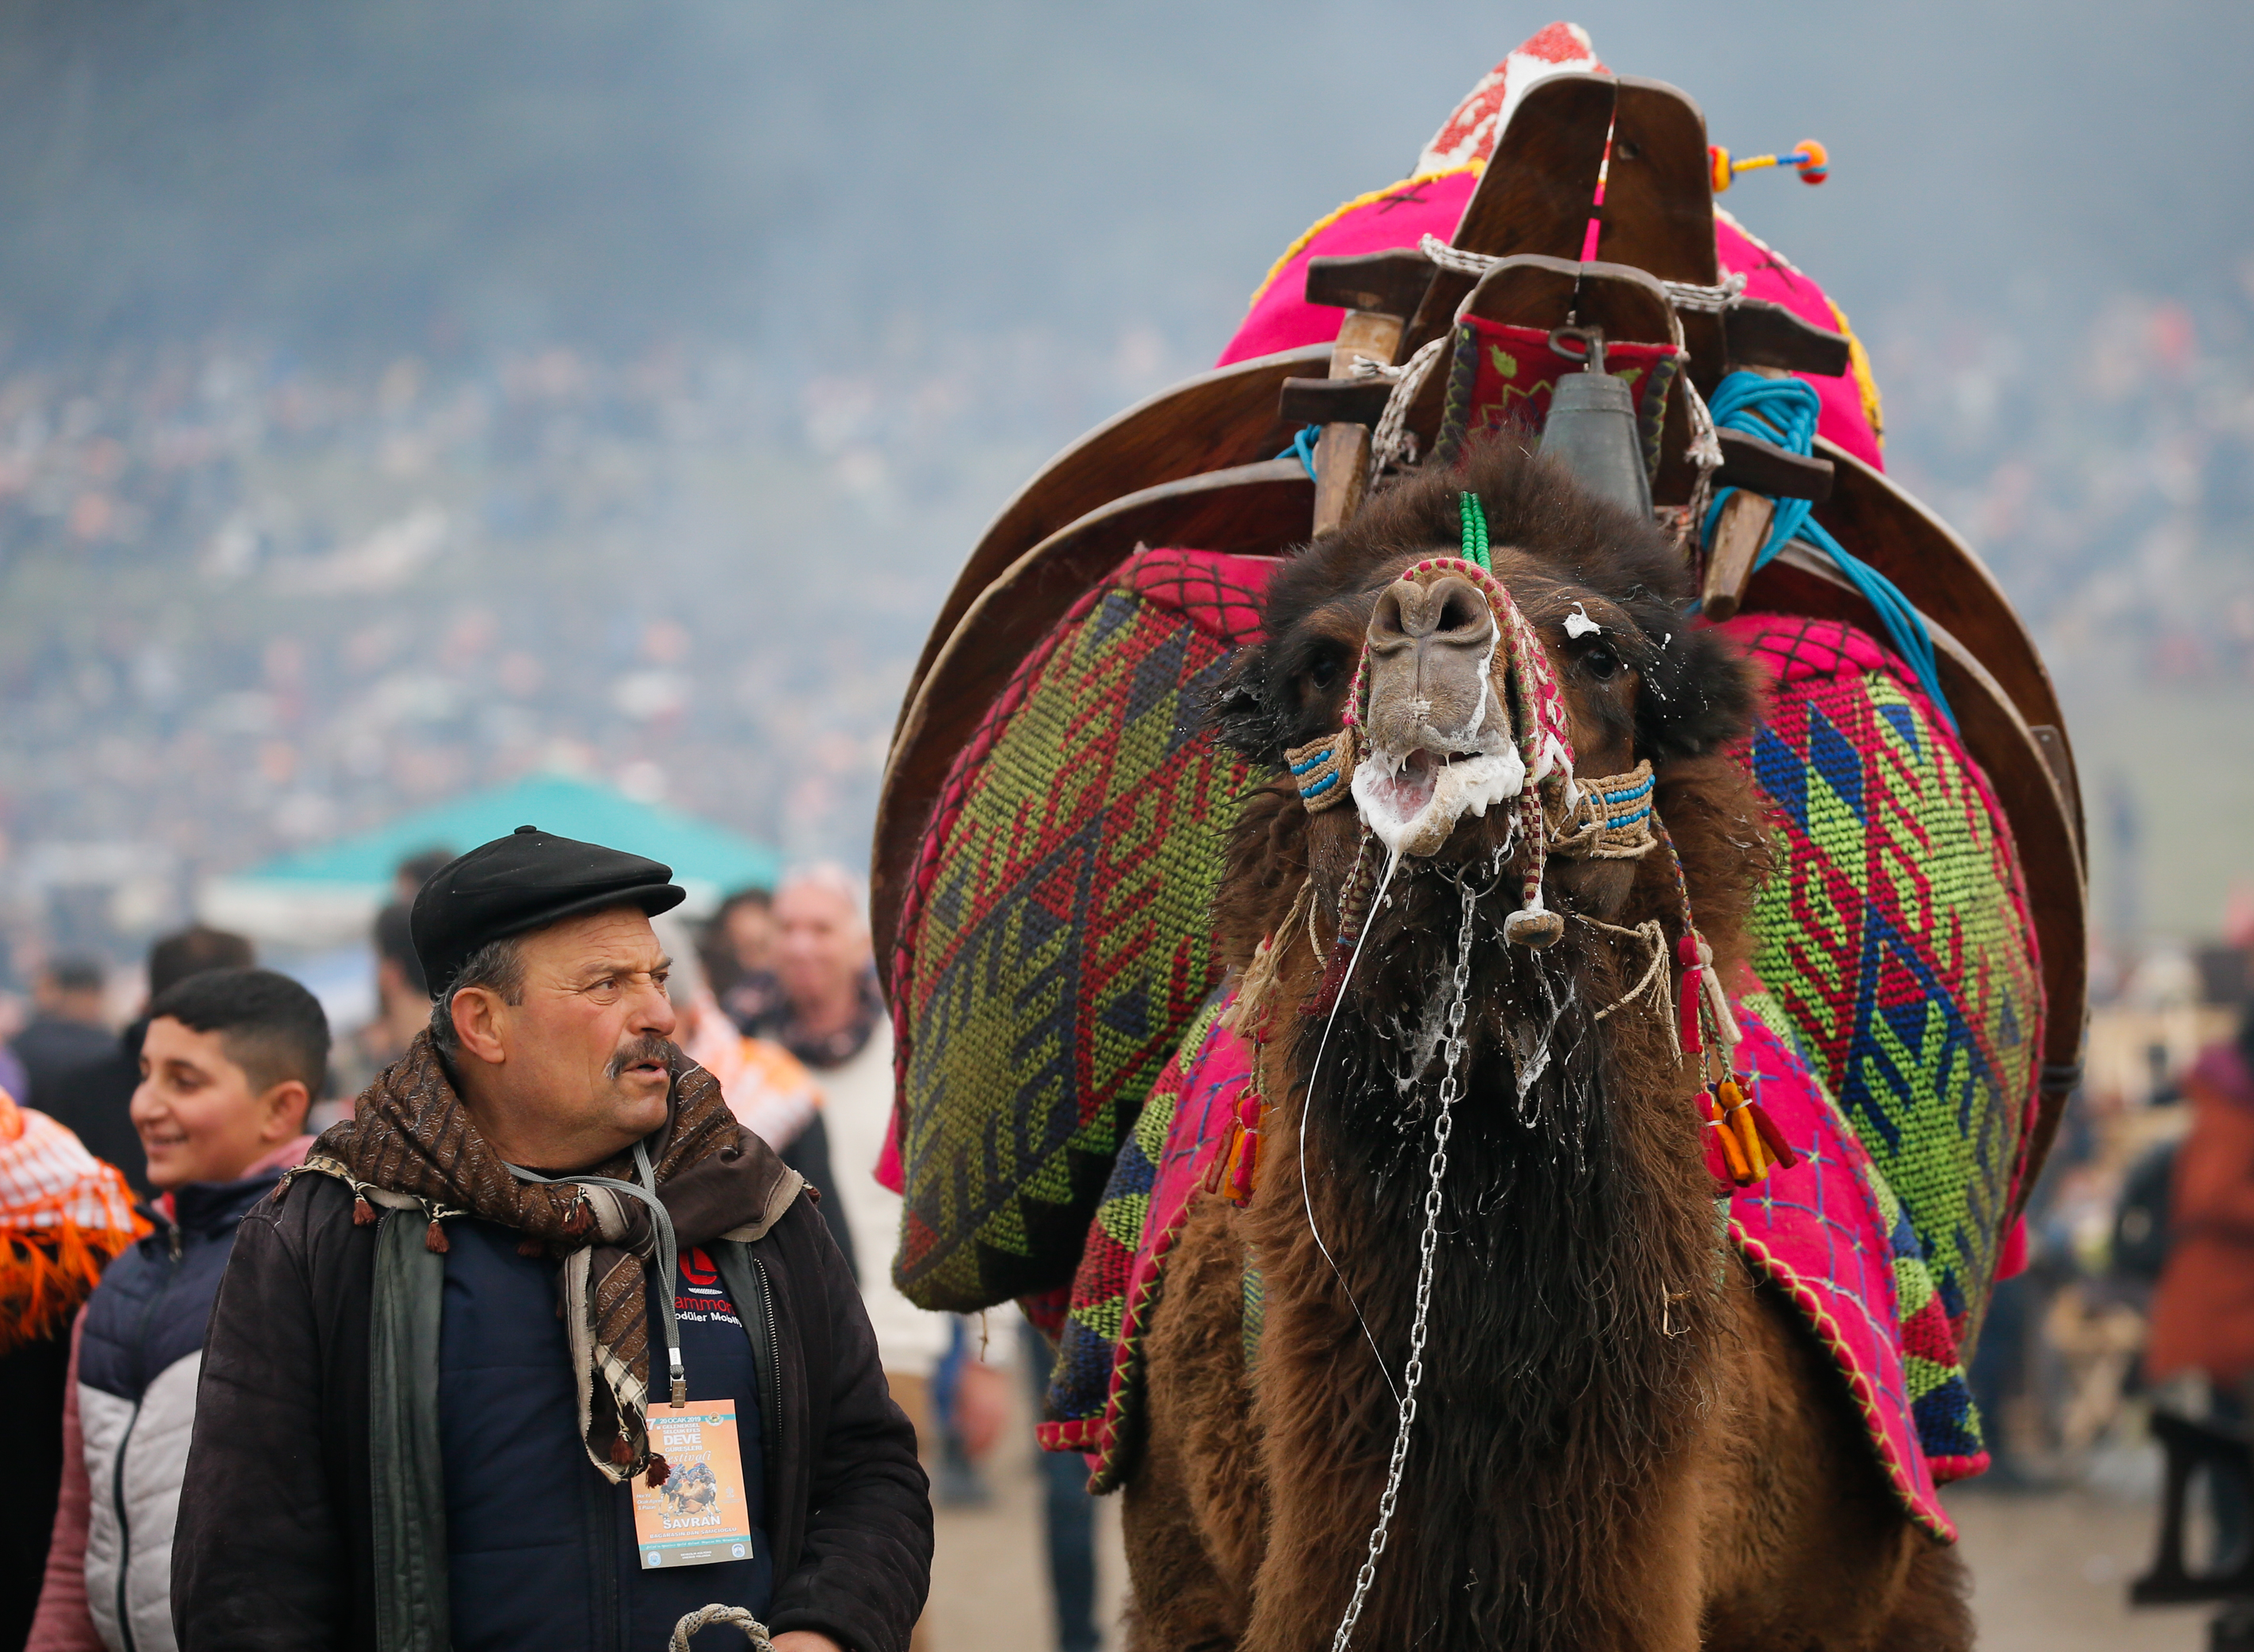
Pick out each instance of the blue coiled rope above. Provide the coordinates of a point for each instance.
(1303, 448)
(1783, 411)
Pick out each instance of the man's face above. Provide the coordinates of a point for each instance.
(587, 1050)
(822, 945)
(199, 1115)
(752, 936)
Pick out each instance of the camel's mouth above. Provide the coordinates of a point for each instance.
(1412, 801)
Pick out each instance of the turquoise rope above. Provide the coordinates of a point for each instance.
(1303, 448)
(1783, 411)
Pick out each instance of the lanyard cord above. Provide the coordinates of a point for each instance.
(667, 1251)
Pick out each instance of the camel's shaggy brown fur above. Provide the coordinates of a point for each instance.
(1621, 1441)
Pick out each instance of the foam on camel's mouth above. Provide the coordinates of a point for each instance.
(1406, 792)
(1412, 801)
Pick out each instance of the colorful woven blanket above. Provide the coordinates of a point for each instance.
(1054, 941)
(1897, 938)
(1829, 1232)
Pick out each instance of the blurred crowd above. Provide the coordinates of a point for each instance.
(133, 1153)
(2103, 464)
(291, 598)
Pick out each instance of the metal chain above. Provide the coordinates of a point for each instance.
(1443, 1127)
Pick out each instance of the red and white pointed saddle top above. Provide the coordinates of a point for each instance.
(1468, 135)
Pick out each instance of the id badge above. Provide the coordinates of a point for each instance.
(700, 1515)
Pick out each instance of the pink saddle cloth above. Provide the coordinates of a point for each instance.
(1826, 1232)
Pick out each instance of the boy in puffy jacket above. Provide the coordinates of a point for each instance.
(231, 1061)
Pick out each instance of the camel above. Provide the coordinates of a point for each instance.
(1621, 1438)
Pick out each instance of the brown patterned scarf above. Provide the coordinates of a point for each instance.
(413, 1145)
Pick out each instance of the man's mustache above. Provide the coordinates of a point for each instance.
(648, 1047)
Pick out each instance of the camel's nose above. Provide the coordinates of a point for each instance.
(1451, 613)
(1429, 646)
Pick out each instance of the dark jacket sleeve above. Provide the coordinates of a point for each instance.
(260, 1557)
(864, 1566)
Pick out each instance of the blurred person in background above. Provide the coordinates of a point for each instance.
(69, 1030)
(409, 877)
(767, 1088)
(739, 954)
(64, 1213)
(833, 1019)
(402, 1009)
(1067, 1514)
(14, 1084)
(230, 1060)
(96, 1100)
(2202, 1324)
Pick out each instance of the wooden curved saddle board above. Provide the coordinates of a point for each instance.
(1535, 195)
(1257, 509)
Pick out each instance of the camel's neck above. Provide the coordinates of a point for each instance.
(1573, 1301)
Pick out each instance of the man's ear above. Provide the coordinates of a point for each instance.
(283, 1108)
(477, 1016)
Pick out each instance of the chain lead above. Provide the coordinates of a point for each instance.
(1443, 1127)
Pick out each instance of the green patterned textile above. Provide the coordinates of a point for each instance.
(1055, 940)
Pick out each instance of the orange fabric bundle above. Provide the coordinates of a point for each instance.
(64, 1213)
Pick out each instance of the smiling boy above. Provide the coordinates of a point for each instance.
(231, 1061)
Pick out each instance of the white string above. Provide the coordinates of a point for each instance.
(1689, 296)
(1307, 1199)
(1391, 439)
(1455, 258)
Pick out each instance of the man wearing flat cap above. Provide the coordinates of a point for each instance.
(542, 1350)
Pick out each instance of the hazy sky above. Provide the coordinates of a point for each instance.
(350, 173)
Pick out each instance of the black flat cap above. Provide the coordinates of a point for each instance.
(526, 881)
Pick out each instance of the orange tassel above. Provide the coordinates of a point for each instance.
(1235, 1171)
(1773, 1137)
(363, 1212)
(660, 1471)
(435, 1239)
(1741, 1124)
(1244, 1165)
(1733, 1150)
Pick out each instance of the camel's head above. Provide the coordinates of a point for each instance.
(1435, 689)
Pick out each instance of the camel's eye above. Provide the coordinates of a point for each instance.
(1601, 663)
(1322, 672)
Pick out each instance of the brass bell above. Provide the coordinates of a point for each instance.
(1592, 428)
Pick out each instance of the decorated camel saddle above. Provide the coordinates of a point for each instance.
(1471, 881)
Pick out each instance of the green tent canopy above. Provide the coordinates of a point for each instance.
(328, 895)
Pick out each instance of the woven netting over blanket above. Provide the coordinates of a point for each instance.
(1891, 1037)
(1054, 940)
